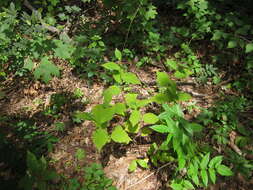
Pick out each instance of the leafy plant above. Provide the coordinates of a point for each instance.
(38, 173)
(179, 146)
(118, 73)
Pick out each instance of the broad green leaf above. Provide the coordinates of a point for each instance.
(131, 100)
(46, 70)
(111, 66)
(135, 117)
(119, 108)
(212, 175)
(143, 163)
(102, 114)
(180, 75)
(130, 78)
(80, 154)
(216, 161)
(109, 93)
(119, 135)
(224, 170)
(171, 64)
(232, 44)
(150, 118)
(162, 79)
(182, 97)
(100, 138)
(204, 176)
(161, 98)
(132, 167)
(161, 128)
(63, 50)
(142, 103)
(204, 161)
(249, 48)
(117, 78)
(118, 54)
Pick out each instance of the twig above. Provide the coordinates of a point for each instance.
(143, 179)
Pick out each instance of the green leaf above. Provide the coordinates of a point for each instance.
(224, 170)
(188, 185)
(131, 100)
(130, 78)
(132, 167)
(161, 128)
(204, 177)
(111, 66)
(182, 97)
(102, 114)
(180, 75)
(118, 54)
(109, 93)
(117, 78)
(46, 70)
(216, 161)
(120, 108)
(135, 117)
(172, 64)
(162, 79)
(212, 175)
(119, 135)
(143, 163)
(176, 186)
(32, 162)
(249, 48)
(63, 50)
(161, 98)
(181, 162)
(100, 138)
(232, 44)
(150, 118)
(80, 154)
(204, 161)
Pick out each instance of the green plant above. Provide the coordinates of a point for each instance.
(179, 146)
(118, 73)
(38, 174)
(95, 179)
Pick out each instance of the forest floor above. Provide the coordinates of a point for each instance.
(25, 99)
